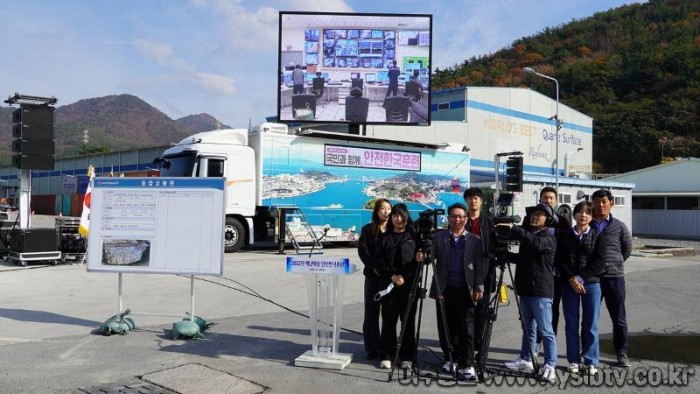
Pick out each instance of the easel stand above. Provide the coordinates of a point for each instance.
(121, 301)
(324, 285)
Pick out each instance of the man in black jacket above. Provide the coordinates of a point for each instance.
(616, 246)
(481, 225)
(535, 287)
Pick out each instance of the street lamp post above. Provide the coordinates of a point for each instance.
(559, 123)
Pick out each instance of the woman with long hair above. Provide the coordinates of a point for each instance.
(368, 250)
(397, 266)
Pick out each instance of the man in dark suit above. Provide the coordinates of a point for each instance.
(458, 283)
(394, 73)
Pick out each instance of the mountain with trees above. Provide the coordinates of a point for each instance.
(107, 124)
(201, 122)
(634, 69)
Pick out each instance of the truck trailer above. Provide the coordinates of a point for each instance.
(301, 185)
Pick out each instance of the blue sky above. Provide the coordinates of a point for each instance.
(220, 56)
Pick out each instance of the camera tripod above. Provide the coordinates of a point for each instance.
(502, 263)
(421, 275)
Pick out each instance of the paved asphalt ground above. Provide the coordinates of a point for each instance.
(49, 314)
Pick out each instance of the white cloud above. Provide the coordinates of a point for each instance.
(220, 83)
(163, 54)
(158, 51)
(248, 30)
(317, 6)
(257, 30)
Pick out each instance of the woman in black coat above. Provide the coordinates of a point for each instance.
(368, 249)
(397, 266)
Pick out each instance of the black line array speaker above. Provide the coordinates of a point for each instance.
(36, 162)
(34, 139)
(33, 240)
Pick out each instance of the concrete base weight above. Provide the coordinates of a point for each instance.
(339, 361)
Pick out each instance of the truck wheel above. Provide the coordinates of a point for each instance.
(234, 235)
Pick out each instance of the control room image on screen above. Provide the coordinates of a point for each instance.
(354, 68)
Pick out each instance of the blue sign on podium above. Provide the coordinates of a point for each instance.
(308, 265)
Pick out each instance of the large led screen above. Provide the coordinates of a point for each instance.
(354, 68)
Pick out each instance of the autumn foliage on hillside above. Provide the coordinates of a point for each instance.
(634, 69)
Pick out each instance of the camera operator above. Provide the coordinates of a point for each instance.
(548, 196)
(534, 285)
(458, 283)
(481, 226)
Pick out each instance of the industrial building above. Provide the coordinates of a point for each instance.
(666, 200)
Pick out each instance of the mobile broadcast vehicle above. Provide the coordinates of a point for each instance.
(317, 184)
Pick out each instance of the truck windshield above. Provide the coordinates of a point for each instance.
(178, 165)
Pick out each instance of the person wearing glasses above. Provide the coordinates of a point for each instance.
(458, 283)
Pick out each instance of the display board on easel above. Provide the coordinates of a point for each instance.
(157, 225)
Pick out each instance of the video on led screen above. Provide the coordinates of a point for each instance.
(354, 68)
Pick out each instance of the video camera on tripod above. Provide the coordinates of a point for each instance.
(504, 214)
(426, 226)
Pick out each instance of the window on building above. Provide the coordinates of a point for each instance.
(683, 203)
(564, 198)
(647, 203)
(443, 106)
(620, 201)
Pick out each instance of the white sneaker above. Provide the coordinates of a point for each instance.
(385, 364)
(467, 374)
(549, 374)
(406, 364)
(447, 367)
(520, 365)
(590, 370)
(573, 368)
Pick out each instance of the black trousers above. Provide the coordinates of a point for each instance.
(556, 302)
(393, 308)
(481, 309)
(614, 294)
(392, 90)
(459, 309)
(370, 326)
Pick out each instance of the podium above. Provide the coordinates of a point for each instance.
(324, 286)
